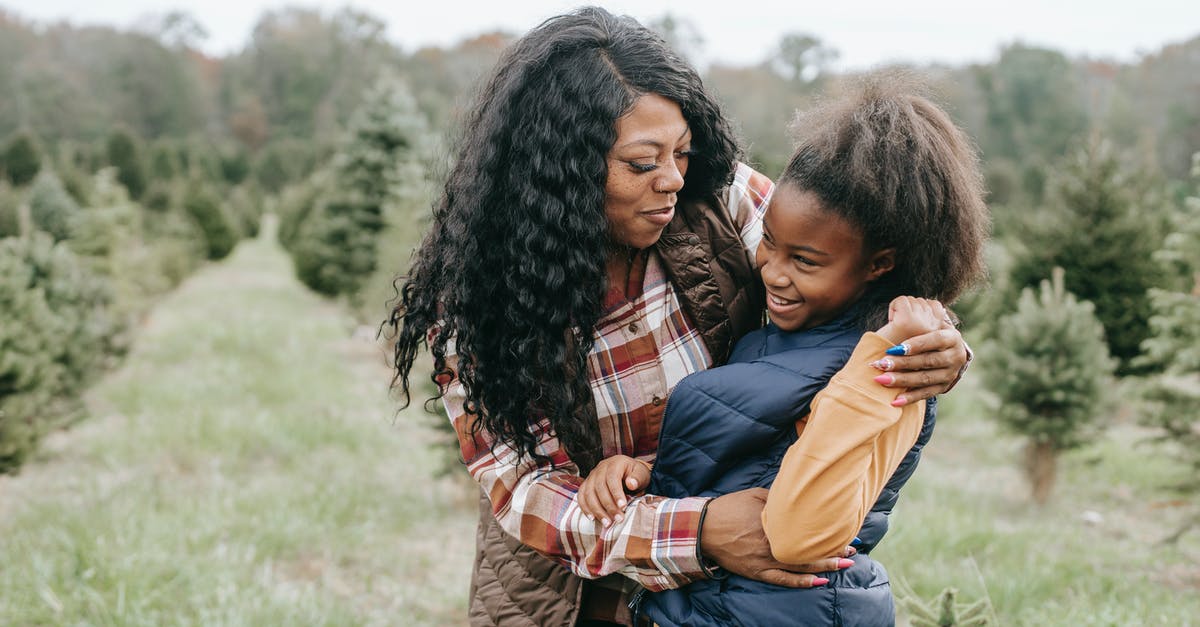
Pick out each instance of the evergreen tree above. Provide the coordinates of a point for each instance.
(298, 204)
(125, 156)
(10, 211)
(109, 236)
(245, 208)
(21, 159)
(1104, 238)
(164, 163)
(204, 206)
(51, 208)
(1050, 369)
(200, 160)
(178, 243)
(383, 141)
(235, 165)
(161, 195)
(71, 168)
(58, 333)
(28, 372)
(1172, 398)
(272, 170)
(385, 132)
(333, 253)
(946, 610)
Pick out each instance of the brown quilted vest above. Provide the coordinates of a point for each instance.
(719, 288)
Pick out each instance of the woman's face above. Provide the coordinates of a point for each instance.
(645, 171)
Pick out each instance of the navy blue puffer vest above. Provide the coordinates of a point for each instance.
(727, 429)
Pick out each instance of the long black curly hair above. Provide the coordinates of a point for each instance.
(513, 269)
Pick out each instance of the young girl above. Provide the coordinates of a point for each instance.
(881, 198)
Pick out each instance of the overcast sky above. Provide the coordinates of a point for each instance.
(865, 32)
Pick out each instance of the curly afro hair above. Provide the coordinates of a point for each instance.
(888, 160)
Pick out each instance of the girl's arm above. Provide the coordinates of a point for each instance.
(850, 445)
(854, 438)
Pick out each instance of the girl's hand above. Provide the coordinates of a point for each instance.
(933, 356)
(909, 317)
(602, 494)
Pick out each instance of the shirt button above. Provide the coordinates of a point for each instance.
(656, 401)
(633, 327)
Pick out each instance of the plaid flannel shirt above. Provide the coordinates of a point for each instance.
(643, 347)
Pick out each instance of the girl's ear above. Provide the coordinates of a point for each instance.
(881, 263)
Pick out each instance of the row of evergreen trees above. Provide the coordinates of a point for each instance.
(351, 227)
(1094, 284)
(1095, 307)
(88, 240)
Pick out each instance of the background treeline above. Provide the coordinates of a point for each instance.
(140, 155)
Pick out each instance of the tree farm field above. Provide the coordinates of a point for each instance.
(246, 466)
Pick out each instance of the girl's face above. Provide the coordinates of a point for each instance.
(646, 166)
(813, 261)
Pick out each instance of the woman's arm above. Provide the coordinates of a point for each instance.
(654, 544)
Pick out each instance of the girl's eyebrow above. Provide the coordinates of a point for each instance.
(811, 250)
(802, 247)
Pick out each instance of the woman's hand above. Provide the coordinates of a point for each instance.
(602, 494)
(931, 352)
(732, 536)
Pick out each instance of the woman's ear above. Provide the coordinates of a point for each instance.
(881, 263)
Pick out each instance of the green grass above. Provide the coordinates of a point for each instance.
(966, 521)
(246, 467)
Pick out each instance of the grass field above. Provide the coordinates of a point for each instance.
(246, 467)
(1093, 556)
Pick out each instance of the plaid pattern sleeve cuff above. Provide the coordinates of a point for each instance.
(675, 549)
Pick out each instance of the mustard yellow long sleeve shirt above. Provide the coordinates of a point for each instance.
(850, 444)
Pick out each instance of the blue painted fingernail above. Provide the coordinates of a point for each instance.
(899, 349)
(856, 541)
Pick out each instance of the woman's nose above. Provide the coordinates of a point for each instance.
(671, 180)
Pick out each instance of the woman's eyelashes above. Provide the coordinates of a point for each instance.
(650, 166)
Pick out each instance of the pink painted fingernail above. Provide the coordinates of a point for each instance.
(885, 379)
(845, 563)
(620, 503)
(900, 402)
(604, 522)
(820, 581)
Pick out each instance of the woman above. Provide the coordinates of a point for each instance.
(588, 252)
